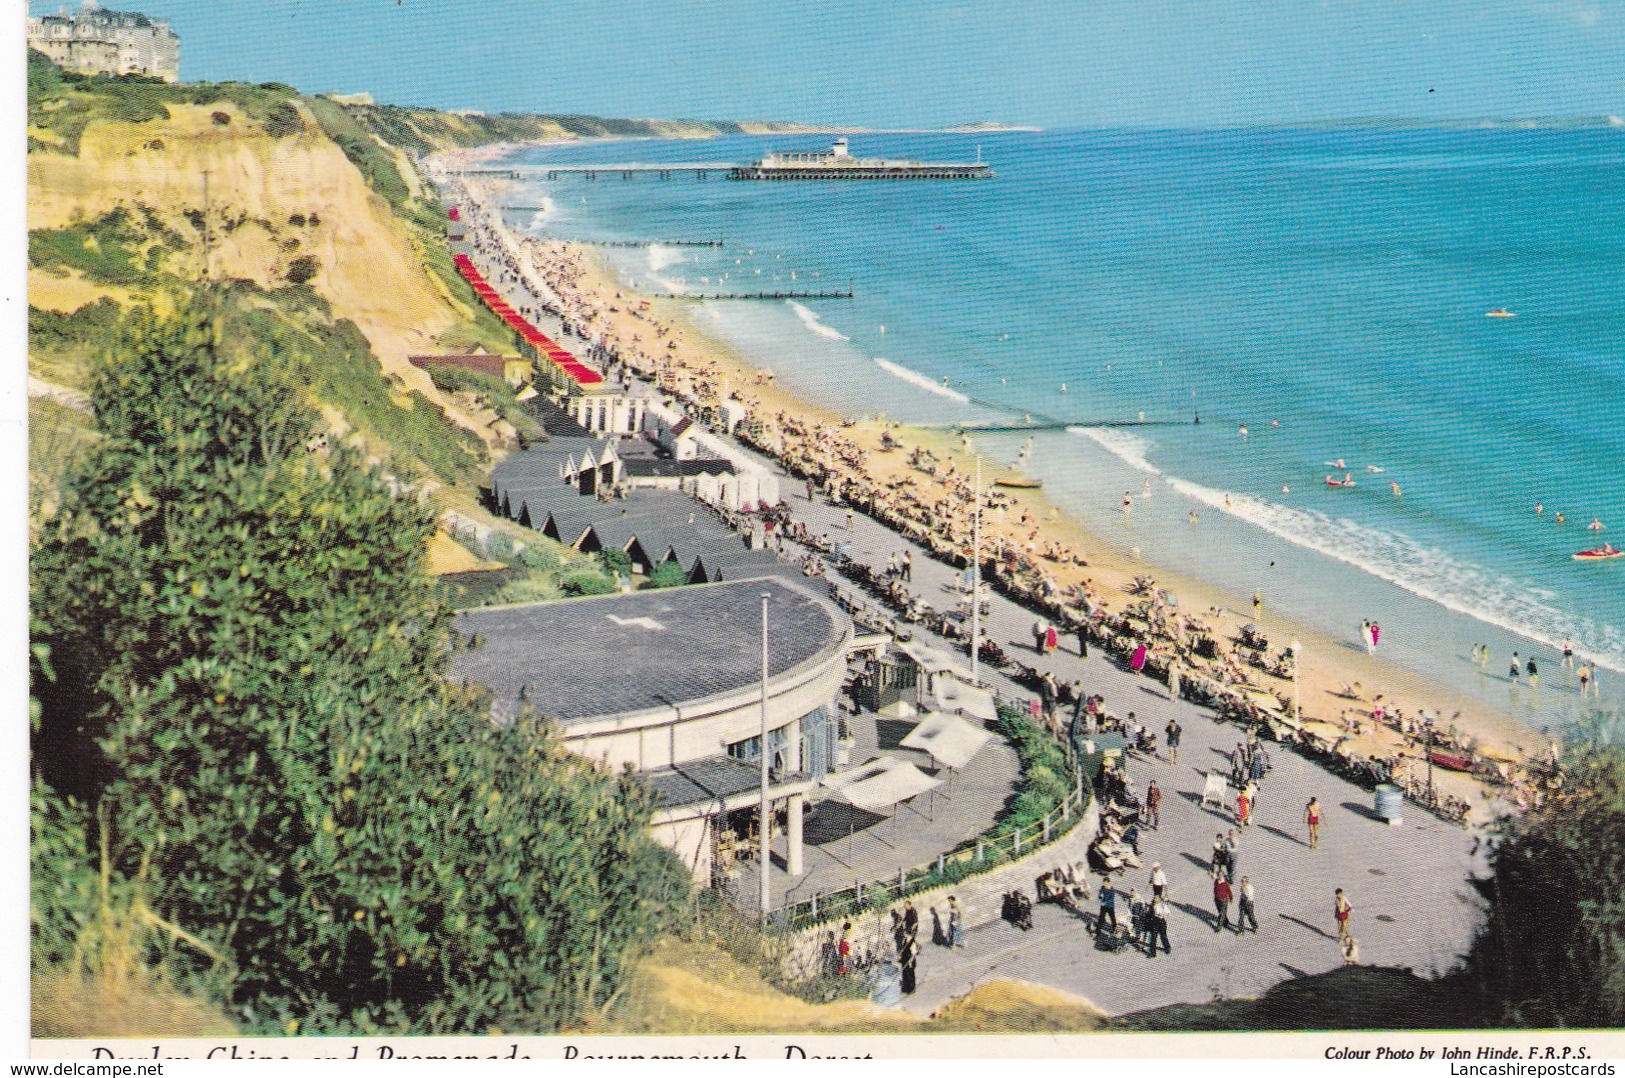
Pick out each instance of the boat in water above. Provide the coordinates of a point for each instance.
(1346, 481)
(1499, 312)
(1019, 484)
(1599, 553)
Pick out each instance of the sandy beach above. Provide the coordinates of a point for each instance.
(921, 481)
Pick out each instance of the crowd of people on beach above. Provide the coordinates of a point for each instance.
(934, 503)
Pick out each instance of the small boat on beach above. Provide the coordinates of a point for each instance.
(1451, 761)
(1499, 312)
(1019, 484)
(1599, 553)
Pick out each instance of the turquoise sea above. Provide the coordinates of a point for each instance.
(1327, 290)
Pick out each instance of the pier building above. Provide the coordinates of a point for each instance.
(837, 163)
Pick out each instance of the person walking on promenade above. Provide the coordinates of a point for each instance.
(1153, 805)
(1342, 908)
(1311, 816)
(1173, 679)
(1137, 663)
(1246, 912)
(844, 950)
(1108, 907)
(1139, 918)
(907, 565)
(1221, 902)
(1159, 926)
(1038, 635)
(1174, 732)
(956, 925)
(1051, 640)
(1159, 880)
(911, 919)
(1083, 639)
(850, 517)
(1244, 807)
(909, 958)
(1257, 773)
(1232, 854)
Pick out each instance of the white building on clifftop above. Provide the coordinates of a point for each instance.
(99, 41)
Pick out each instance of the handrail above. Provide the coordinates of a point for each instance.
(952, 866)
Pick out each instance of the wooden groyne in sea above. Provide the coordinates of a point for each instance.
(751, 295)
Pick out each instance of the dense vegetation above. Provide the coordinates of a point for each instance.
(1552, 952)
(249, 772)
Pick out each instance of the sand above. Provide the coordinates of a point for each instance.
(1329, 664)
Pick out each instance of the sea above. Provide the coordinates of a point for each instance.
(1215, 322)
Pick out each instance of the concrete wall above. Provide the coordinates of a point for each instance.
(691, 840)
(651, 741)
(980, 900)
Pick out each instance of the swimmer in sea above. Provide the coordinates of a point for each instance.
(1596, 525)
(1128, 500)
(1243, 430)
(1285, 489)
(1275, 422)
(1227, 501)
(1395, 487)
(1560, 518)
(1193, 517)
(1539, 509)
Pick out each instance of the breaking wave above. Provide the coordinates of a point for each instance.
(1422, 570)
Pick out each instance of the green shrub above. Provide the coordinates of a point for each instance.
(586, 581)
(615, 562)
(247, 691)
(668, 575)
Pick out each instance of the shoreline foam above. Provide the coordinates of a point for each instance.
(1332, 662)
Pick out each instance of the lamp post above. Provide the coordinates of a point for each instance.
(1297, 668)
(767, 818)
(1427, 724)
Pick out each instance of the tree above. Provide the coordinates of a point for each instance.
(249, 699)
(1552, 951)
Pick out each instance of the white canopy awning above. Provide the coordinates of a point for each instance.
(951, 741)
(932, 660)
(953, 695)
(880, 783)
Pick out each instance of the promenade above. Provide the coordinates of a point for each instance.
(1412, 904)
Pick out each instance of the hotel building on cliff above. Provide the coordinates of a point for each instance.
(97, 41)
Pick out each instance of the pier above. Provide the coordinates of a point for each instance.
(1046, 423)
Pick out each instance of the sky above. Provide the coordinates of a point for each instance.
(915, 63)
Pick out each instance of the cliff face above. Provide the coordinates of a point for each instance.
(258, 195)
(428, 131)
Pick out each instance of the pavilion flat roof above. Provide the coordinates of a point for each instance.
(586, 659)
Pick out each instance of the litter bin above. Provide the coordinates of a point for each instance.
(1390, 802)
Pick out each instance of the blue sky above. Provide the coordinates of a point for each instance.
(906, 63)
